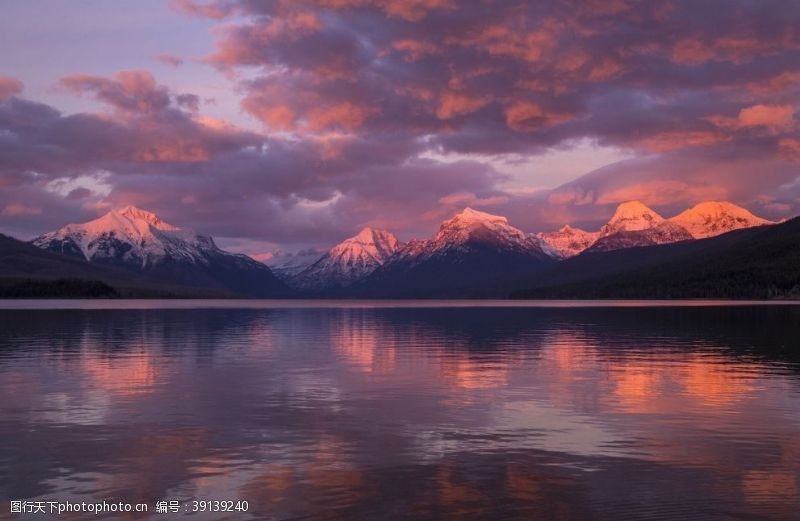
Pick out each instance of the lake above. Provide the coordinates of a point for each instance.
(409, 410)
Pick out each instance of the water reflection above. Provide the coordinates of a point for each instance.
(408, 413)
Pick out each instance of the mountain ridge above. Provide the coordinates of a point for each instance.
(141, 242)
(634, 224)
(472, 254)
(348, 262)
(761, 262)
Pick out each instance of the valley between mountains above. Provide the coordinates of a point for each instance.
(712, 250)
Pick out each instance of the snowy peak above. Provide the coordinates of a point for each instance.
(286, 264)
(711, 218)
(469, 230)
(140, 241)
(632, 216)
(128, 236)
(349, 261)
(135, 214)
(634, 224)
(470, 217)
(472, 225)
(370, 243)
(568, 241)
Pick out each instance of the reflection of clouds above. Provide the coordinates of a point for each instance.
(362, 344)
(307, 411)
(772, 491)
(467, 373)
(521, 484)
(90, 408)
(688, 384)
(651, 379)
(307, 477)
(125, 375)
(638, 388)
(714, 383)
(460, 499)
(517, 425)
(538, 425)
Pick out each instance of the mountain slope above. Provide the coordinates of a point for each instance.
(760, 262)
(568, 241)
(474, 254)
(349, 261)
(141, 242)
(634, 224)
(286, 265)
(26, 270)
(712, 218)
(631, 216)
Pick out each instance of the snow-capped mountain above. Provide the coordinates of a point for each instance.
(286, 265)
(349, 261)
(472, 230)
(634, 224)
(473, 254)
(130, 236)
(568, 241)
(712, 218)
(631, 216)
(140, 241)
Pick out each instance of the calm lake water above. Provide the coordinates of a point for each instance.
(362, 411)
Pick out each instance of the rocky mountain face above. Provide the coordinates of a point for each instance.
(473, 254)
(141, 242)
(348, 262)
(286, 265)
(568, 241)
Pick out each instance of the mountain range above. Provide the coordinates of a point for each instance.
(761, 262)
(348, 262)
(140, 242)
(473, 254)
(634, 224)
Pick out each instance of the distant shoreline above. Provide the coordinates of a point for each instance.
(232, 303)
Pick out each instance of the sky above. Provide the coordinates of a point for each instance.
(290, 124)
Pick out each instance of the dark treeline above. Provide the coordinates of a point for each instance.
(59, 288)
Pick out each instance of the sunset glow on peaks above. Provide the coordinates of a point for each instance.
(283, 126)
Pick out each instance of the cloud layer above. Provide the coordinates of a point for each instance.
(350, 96)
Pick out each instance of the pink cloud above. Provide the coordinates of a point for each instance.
(128, 91)
(19, 210)
(9, 87)
(453, 104)
(775, 118)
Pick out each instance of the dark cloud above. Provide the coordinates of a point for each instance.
(210, 175)
(510, 76)
(352, 94)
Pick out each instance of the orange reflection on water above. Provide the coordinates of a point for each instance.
(129, 375)
(770, 490)
(465, 373)
(716, 384)
(460, 499)
(361, 346)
